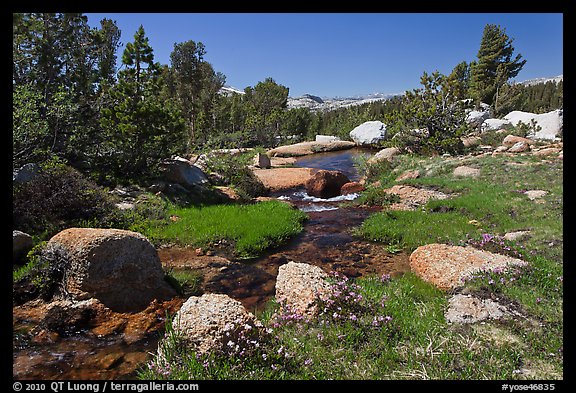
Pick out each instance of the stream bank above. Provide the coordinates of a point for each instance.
(114, 346)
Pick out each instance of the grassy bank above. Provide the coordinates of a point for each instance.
(382, 328)
(494, 201)
(247, 229)
(395, 329)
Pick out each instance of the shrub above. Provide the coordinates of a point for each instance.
(377, 196)
(233, 170)
(58, 197)
(432, 119)
(40, 277)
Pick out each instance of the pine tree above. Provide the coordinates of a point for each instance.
(495, 65)
(140, 128)
(195, 86)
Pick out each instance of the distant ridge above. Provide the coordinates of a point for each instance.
(536, 81)
(321, 104)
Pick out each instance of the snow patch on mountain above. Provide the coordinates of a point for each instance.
(323, 104)
(536, 81)
(229, 90)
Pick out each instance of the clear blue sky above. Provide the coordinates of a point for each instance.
(344, 54)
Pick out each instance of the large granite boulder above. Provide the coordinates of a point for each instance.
(448, 266)
(214, 323)
(119, 268)
(369, 133)
(21, 244)
(494, 124)
(326, 184)
(25, 173)
(181, 171)
(299, 288)
(310, 147)
(385, 154)
(476, 117)
(550, 123)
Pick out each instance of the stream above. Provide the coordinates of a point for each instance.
(326, 241)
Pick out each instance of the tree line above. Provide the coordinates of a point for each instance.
(70, 100)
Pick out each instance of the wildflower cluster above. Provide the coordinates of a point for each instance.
(495, 277)
(345, 303)
(495, 244)
(243, 340)
(286, 316)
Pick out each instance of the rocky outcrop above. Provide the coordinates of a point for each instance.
(475, 118)
(471, 141)
(494, 124)
(25, 173)
(511, 140)
(183, 172)
(21, 244)
(535, 194)
(550, 123)
(466, 171)
(547, 151)
(384, 154)
(411, 197)
(119, 268)
(406, 175)
(299, 286)
(519, 147)
(353, 187)
(213, 323)
(278, 179)
(306, 148)
(470, 309)
(447, 266)
(261, 161)
(326, 138)
(369, 133)
(326, 184)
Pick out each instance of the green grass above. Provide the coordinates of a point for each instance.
(186, 282)
(494, 199)
(251, 229)
(411, 229)
(413, 339)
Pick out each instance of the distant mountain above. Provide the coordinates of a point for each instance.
(323, 104)
(315, 103)
(535, 81)
(229, 90)
(318, 104)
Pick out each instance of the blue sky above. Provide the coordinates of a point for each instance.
(344, 54)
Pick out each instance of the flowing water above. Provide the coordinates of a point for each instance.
(327, 241)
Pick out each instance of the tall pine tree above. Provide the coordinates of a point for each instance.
(140, 128)
(495, 65)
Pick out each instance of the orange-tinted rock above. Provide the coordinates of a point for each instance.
(351, 188)
(447, 266)
(326, 184)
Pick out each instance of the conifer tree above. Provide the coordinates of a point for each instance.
(140, 128)
(495, 65)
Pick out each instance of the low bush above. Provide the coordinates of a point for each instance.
(56, 198)
(233, 170)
